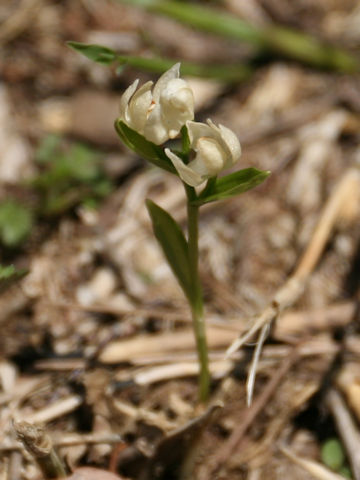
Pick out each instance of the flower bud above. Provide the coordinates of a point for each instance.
(216, 148)
(158, 114)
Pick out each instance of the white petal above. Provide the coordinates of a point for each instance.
(173, 72)
(186, 174)
(216, 133)
(211, 155)
(228, 141)
(197, 130)
(172, 89)
(139, 106)
(183, 101)
(232, 143)
(177, 106)
(155, 131)
(124, 101)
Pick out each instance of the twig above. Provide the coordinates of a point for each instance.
(293, 288)
(347, 429)
(39, 444)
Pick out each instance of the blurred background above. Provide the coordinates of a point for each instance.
(80, 268)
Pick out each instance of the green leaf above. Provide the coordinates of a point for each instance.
(345, 472)
(15, 223)
(332, 454)
(9, 275)
(47, 148)
(106, 56)
(231, 185)
(173, 244)
(70, 174)
(138, 144)
(81, 164)
(97, 53)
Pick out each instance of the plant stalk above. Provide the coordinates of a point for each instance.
(196, 300)
(39, 444)
(274, 38)
(223, 73)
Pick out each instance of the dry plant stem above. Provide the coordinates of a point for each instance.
(38, 443)
(196, 301)
(347, 429)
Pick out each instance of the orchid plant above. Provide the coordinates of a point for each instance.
(151, 115)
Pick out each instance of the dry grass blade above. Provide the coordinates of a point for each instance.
(253, 367)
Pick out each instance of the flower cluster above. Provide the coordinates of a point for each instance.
(158, 113)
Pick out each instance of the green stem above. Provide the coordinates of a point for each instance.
(274, 38)
(196, 300)
(222, 73)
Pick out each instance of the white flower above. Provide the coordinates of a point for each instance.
(158, 114)
(216, 148)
